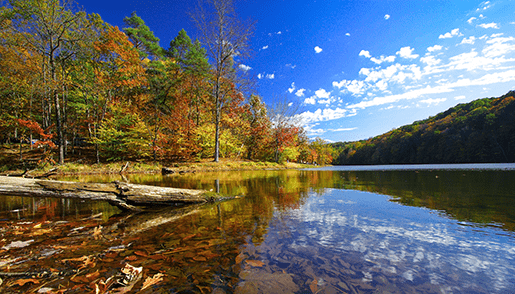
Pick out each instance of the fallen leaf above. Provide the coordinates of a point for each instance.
(313, 286)
(97, 232)
(157, 257)
(41, 232)
(18, 244)
(141, 253)
(22, 282)
(199, 258)
(93, 276)
(255, 263)
(240, 258)
(150, 281)
(131, 258)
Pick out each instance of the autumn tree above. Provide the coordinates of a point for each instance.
(285, 130)
(226, 38)
(55, 31)
(259, 128)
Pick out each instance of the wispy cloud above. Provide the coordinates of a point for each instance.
(470, 40)
(300, 92)
(343, 129)
(325, 114)
(266, 76)
(244, 67)
(431, 101)
(387, 16)
(448, 35)
(491, 25)
(292, 88)
(434, 48)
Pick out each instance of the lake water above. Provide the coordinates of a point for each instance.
(375, 229)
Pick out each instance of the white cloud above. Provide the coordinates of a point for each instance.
(387, 16)
(354, 87)
(300, 92)
(434, 48)
(487, 79)
(429, 102)
(404, 96)
(484, 6)
(430, 60)
(322, 93)
(382, 59)
(347, 34)
(364, 53)
(325, 115)
(292, 88)
(499, 46)
(318, 49)
(343, 129)
(470, 20)
(310, 100)
(461, 97)
(491, 25)
(453, 33)
(244, 67)
(265, 47)
(407, 52)
(267, 76)
(471, 40)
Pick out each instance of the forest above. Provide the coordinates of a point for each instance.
(482, 131)
(71, 82)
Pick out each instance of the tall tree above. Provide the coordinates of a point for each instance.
(226, 38)
(55, 30)
(142, 37)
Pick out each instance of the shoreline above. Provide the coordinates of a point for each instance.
(136, 167)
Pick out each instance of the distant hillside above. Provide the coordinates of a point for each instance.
(480, 131)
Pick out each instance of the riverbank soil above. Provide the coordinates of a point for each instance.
(38, 162)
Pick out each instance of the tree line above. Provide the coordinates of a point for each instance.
(68, 78)
(482, 131)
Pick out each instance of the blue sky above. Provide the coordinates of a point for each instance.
(358, 69)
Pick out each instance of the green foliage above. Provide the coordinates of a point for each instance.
(142, 37)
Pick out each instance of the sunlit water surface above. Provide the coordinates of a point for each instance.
(410, 229)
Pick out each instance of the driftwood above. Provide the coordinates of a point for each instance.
(124, 195)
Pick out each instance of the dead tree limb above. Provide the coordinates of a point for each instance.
(124, 195)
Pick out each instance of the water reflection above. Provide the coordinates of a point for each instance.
(311, 231)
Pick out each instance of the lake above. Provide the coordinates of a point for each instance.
(349, 229)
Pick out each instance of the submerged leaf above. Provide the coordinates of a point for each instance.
(22, 282)
(255, 263)
(18, 244)
(150, 281)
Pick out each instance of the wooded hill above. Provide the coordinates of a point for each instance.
(482, 131)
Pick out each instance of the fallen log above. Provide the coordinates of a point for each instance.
(123, 195)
